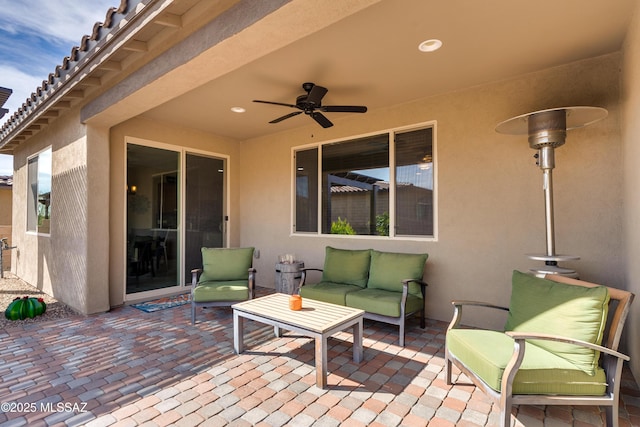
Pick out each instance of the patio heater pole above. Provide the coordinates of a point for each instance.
(547, 130)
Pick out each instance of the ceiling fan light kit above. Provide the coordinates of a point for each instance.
(311, 104)
(547, 130)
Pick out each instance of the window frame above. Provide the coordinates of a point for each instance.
(391, 132)
(38, 230)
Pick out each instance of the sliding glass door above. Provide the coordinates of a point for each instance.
(205, 224)
(153, 241)
(175, 205)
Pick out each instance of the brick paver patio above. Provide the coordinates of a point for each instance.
(131, 368)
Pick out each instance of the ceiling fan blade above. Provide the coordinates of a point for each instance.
(316, 94)
(276, 103)
(343, 109)
(321, 119)
(279, 119)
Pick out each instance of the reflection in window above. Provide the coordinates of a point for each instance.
(39, 197)
(414, 183)
(355, 180)
(361, 193)
(306, 190)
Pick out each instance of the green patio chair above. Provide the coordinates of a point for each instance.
(559, 346)
(227, 276)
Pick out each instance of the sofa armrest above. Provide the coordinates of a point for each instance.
(457, 310)
(423, 285)
(303, 276)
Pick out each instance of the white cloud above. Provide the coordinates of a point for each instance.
(36, 36)
(22, 85)
(67, 20)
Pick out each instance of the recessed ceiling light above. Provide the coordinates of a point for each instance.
(238, 109)
(430, 45)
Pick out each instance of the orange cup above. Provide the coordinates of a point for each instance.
(295, 302)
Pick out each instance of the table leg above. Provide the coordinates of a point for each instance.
(277, 331)
(321, 361)
(357, 342)
(238, 332)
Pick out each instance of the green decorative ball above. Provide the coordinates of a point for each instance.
(25, 307)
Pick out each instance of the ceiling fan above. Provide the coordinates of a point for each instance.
(311, 104)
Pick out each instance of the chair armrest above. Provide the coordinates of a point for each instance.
(521, 336)
(252, 283)
(194, 276)
(303, 275)
(457, 310)
(519, 346)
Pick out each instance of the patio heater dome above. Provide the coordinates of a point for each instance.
(547, 130)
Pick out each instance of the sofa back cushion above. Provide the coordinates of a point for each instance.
(389, 269)
(546, 306)
(350, 267)
(226, 263)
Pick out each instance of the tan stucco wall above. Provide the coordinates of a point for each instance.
(69, 263)
(631, 136)
(155, 132)
(489, 193)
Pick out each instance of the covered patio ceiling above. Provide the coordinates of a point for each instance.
(188, 62)
(371, 58)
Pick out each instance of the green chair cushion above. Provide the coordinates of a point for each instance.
(350, 267)
(233, 290)
(226, 263)
(380, 301)
(334, 293)
(545, 306)
(389, 269)
(486, 353)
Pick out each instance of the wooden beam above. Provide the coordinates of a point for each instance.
(63, 104)
(111, 66)
(135, 46)
(50, 114)
(169, 20)
(91, 81)
(77, 93)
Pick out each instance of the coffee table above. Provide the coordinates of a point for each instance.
(317, 319)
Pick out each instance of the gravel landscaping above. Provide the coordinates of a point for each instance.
(12, 287)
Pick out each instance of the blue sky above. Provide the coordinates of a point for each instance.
(35, 35)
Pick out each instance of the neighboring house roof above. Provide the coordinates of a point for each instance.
(6, 181)
(5, 93)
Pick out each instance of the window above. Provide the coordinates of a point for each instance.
(307, 190)
(39, 192)
(379, 185)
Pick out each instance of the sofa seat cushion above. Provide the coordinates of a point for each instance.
(487, 353)
(233, 290)
(331, 292)
(347, 266)
(379, 301)
(545, 306)
(389, 269)
(226, 263)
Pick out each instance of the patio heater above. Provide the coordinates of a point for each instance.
(547, 130)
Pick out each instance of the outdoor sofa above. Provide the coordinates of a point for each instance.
(388, 286)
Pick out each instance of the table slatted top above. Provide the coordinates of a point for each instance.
(316, 316)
